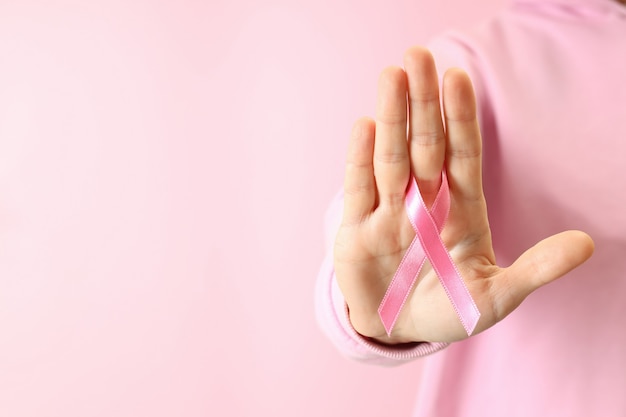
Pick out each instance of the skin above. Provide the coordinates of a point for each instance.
(408, 137)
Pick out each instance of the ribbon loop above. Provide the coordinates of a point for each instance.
(427, 244)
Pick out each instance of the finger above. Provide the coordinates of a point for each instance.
(359, 184)
(545, 262)
(427, 141)
(464, 147)
(391, 156)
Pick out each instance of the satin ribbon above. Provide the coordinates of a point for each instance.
(427, 244)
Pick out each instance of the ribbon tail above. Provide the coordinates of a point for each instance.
(401, 284)
(450, 279)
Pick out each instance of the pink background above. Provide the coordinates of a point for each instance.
(164, 168)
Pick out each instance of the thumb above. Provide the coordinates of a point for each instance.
(545, 262)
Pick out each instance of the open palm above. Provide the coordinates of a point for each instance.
(376, 232)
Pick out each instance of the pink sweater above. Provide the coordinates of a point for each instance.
(550, 77)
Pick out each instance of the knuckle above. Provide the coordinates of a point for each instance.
(464, 152)
(421, 98)
(392, 157)
(464, 115)
(355, 163)
(426, 138)
(394, 199)
(359, 188)
(392, 117)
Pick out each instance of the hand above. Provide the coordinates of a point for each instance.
(375, 230)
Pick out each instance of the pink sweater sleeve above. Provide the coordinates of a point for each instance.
(333, 317)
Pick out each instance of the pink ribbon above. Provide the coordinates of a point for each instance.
(428, 244)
